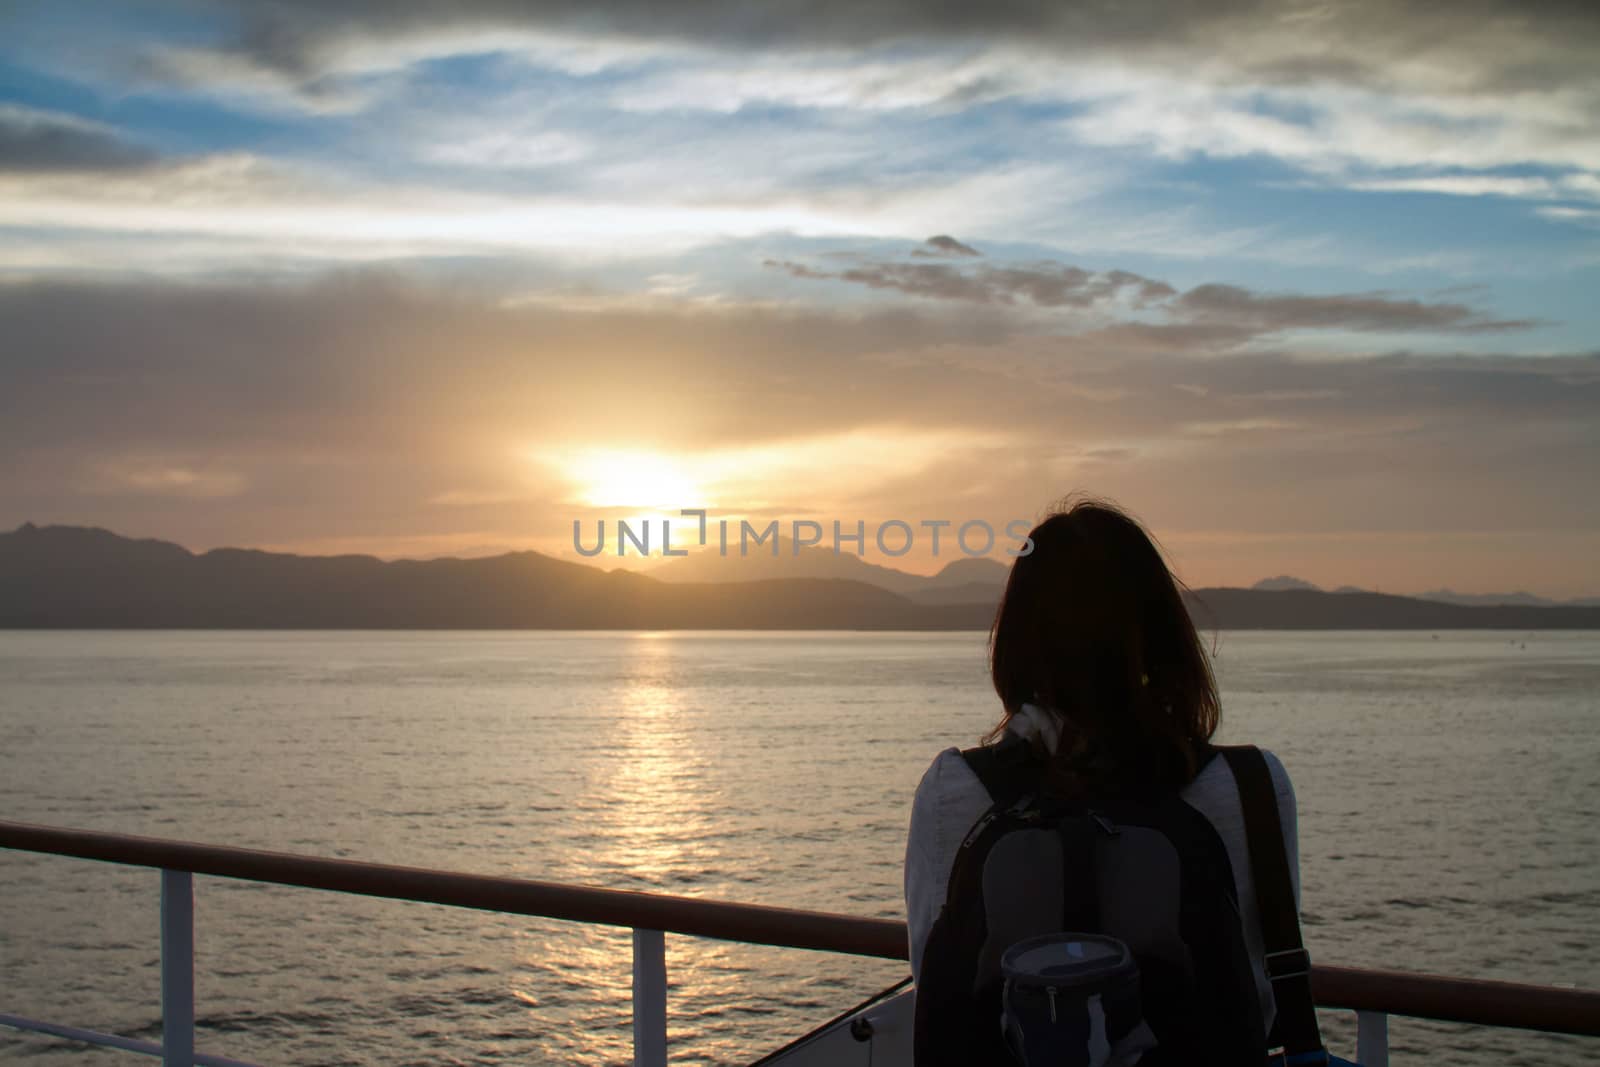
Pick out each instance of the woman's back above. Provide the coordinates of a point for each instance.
(951, 799)
(1098, 665)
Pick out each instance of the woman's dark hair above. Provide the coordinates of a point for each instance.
(1093, 630)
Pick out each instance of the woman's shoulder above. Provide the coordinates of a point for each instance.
(1215, 779)
(1280, 776)
(949, 769)
(950, 788)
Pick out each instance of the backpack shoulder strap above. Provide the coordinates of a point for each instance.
(1288, 963)
(1008, 769)
(954, 1019)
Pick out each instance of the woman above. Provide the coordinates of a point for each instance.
(1098, 666)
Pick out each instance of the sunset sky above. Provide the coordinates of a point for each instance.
(1310, 288)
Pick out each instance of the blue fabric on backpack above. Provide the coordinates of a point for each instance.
(1072, 1000)
(1316, 1059)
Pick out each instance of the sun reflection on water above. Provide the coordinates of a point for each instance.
(659, 811)
(651, 807)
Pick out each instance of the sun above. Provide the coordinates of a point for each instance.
(633, 479)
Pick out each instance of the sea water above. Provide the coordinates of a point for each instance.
(1448, 787)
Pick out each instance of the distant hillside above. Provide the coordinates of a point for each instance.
(1284, 582)
(966, 593)
(90, 578)
(968, 580)
(762, 564)
(78, 577)
(963, 580)
(1443, 596)
(1525, 599)
(1303, 609)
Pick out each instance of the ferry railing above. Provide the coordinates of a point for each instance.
(1373, 995)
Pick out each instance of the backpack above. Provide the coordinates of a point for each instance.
(1151, 873)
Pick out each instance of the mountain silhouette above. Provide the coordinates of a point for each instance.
(1448, 596)
(974, 580)
(763, 564)
(87, 578)
(83, 577)
(1284, 582)
(965, 580)
(972, 571)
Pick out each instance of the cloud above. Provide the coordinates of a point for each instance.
(628, 164)
(1479, 84)
(1464, 185)
(508, 150)
(797, 270)
(1210, 313)
(771, 475)
(243, 206)
(283, 398)
(944, 245)
(1346, 136)
(1349, 311)
(1580, 215)
(836, 79)
(1476, 45)
(1043, 285)
(1463, 99)
(162, 477)
(47, 142)
(515, 161)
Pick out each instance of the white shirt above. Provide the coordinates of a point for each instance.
(950, 799)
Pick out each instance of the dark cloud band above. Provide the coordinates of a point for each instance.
(1239, 314)
(45, 142)
(1365, 42)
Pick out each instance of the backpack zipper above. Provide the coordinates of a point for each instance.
(977, 830)
(1050, 990)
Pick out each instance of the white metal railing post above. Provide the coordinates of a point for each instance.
(177, 969)
(649, 998)
(1372, 1038)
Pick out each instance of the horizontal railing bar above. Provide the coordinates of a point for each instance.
(1461, 1000)
(95, 1037)
(751, 923)
(1568, 1011)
